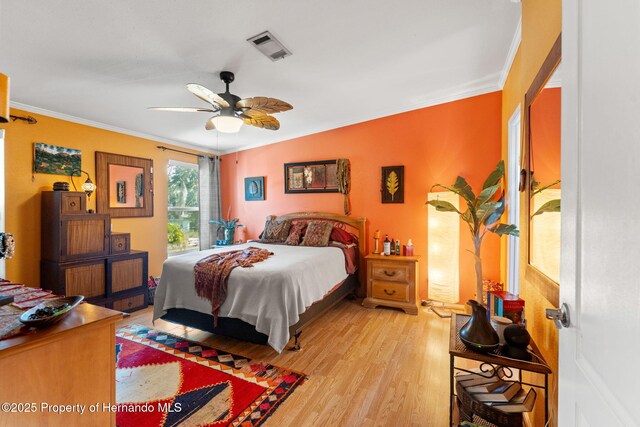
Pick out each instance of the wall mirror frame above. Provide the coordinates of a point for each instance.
(113, 189)
(545, 285)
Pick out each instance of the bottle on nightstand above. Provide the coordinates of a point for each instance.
(386, 246)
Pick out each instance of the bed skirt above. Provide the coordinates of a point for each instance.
(236, 328)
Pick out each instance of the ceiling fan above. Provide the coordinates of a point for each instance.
(231, 111)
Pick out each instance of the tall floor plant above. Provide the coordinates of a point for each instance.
(482, 213)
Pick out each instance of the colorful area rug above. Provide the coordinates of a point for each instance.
(164, 380)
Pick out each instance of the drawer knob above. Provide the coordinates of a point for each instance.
(72, 204)
(119, 245)
(390, 293)
(390, 274)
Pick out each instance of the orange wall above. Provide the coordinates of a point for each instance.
(434, 144)
(545, 136)
(23, 187)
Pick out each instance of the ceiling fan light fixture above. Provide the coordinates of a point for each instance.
(227, 124)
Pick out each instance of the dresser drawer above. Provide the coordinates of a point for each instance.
(390, 272)
(129, 304)
(120, 243)
(72, 203)
(390, 291)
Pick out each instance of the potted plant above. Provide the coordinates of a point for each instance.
(482, 213)
(229, 226)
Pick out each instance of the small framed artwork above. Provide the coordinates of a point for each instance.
(254, 188)
(56, 160)
(311, 177)
(392, 184)
(121, 191)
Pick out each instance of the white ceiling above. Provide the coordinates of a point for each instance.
(356, 60)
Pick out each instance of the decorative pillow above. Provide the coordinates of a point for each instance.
(342, 236)
(296, 232)
(317, 234)
(275, 231)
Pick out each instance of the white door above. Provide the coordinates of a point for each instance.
(600, 269)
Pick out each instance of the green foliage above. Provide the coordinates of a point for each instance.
(183, 186)
(482, 213)
(175, 235)
(229, 223)
(552, 205)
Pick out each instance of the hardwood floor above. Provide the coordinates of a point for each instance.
(366, 367)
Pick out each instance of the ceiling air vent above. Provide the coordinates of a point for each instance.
(269, 46)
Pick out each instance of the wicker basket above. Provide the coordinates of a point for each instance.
(470, 409)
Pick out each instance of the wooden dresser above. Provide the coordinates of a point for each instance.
(70, 363)
(80, 255)
(392, 282)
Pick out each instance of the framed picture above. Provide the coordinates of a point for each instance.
(311, 177)
(56, 160)
(121, 191)
(392, 184)
(254, 188)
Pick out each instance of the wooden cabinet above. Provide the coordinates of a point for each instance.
(392, 282)
(103, 281)
(81, 257)
(68, 232)
(69, 363)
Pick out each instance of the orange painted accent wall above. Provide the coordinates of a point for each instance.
(545, 136)
(435, 145)
(23, 187)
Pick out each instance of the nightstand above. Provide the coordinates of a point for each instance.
(392, 282)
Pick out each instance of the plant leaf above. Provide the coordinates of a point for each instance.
(508, 229)
(495, 176)
(492, 217)
(443, 206)
(538, 190)
(550, 206)
(464, 189)
(392, 183)
(487, 194)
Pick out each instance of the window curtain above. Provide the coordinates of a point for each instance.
(209, 168)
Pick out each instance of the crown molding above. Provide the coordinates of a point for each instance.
(100, 125)
(429, 102)
(511, 55)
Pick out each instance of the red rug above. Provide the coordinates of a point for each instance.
(164, 380)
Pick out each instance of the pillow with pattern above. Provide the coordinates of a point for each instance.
(275, 231)
(317, 234)
(296, 232)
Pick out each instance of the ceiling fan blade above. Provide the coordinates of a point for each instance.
(261, 121)
(210, 125)
(264, 105)
(183, 109)
(207, 95)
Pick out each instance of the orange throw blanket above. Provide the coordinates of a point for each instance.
(212, 273)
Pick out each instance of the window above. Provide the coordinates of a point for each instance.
(184, 210)
(513, 202)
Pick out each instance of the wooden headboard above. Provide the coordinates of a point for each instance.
(359, 224)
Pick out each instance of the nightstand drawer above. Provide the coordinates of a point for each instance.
(390, 272)
(390, 291)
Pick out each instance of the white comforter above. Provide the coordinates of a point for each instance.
(271, 295)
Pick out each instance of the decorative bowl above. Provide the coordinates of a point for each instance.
(73, 301)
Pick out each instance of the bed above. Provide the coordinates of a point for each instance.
(272, 301)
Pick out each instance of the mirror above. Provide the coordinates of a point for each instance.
(124, 185)
(128, 189)
(542, 133)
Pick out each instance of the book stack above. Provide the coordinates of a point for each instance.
(505, 304)
(495, 392)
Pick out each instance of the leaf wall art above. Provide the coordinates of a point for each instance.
(392, 184)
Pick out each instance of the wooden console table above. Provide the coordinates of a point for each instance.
(495, 362)
(70, 363)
